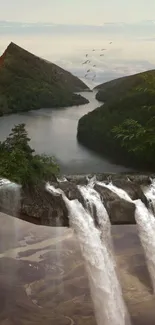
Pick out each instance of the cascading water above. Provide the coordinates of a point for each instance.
(9, 197)
(10, 202)
(105, 289)
(150, 194)
(96, 208)
(146, 226)
(121, 193)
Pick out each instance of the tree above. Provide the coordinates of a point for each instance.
(19, 163)
(18, 138)
(137, 138)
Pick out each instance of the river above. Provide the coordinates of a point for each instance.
(53, 132)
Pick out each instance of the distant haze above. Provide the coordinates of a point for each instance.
(87, 12)
(132, 49)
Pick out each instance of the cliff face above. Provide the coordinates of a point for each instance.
(42, 207)
(29, 82)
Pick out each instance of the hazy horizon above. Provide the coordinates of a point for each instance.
(66, 41)
(88, 12)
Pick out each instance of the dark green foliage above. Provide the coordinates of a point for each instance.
(28, 82)
(20, 164)
(124, 127)
(137, 139)
(118, 88)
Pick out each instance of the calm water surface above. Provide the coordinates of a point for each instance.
(53, 131)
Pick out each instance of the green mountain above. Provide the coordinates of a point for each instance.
(118, 88)
(124, 127)
(29, 82)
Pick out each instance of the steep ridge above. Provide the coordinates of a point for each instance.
(119, 88)
(29, 82)
(117, 128)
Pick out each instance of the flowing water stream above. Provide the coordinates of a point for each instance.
(10, 196)
(101, 269)
(146, 225)
(99, 213)
(93, 230)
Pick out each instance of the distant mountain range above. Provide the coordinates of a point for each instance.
(29, 82)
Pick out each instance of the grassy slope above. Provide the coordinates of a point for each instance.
(29, 82)
(129, 97)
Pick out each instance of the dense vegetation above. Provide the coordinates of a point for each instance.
(20, 164)
(121, 87)
(29, 82)
(124, 128)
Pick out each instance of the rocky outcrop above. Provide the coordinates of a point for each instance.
(120, 211)
(133, 189)
(48, 209)
(43, 207)
(51, 210)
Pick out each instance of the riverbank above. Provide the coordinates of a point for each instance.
(54, 132)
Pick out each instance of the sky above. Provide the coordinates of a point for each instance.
(87, 12)
(83, 25)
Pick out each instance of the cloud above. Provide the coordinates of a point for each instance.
(77, 12)
(105, 71)
(67, 45)
(142, 28)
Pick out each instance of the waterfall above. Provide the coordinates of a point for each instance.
(98, 212)
(150, 194)
(9, 197)
(121, 193)
(146, 226)
(105, 289)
